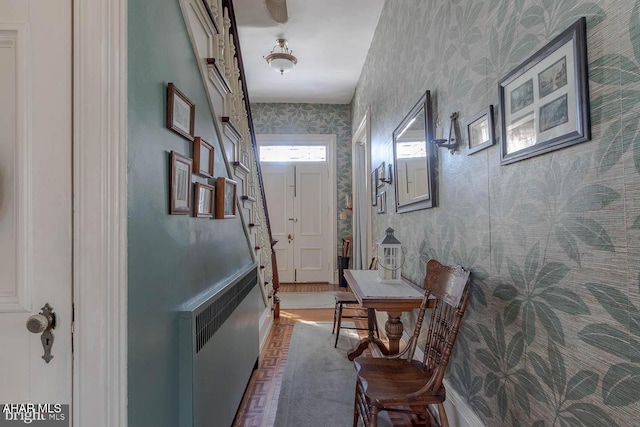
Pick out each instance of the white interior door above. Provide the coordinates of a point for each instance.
(311, 238)
(278, 180)
(299, 212)
(35, 197)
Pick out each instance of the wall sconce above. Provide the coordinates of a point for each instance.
(386, 179)
(348, 202)
(454, 135)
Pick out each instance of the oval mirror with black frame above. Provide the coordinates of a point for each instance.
(414, 158)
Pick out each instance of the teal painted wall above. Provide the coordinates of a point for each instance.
(283, 118)
(552, 333)
(172, 258)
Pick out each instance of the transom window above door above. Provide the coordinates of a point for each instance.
(293, 153)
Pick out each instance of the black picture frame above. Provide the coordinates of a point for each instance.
(480, 131)
(374, 187)
(382, 202)
(544, 102)
(380, 175)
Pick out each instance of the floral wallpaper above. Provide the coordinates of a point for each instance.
(314, 119)
(552, 333)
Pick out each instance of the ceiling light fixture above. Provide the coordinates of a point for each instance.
(282, 61)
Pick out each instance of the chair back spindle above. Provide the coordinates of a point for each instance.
(449, 286)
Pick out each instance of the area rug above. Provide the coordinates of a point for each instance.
(318, 384)
(300, 300)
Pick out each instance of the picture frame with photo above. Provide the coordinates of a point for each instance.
(544, 102)
(181, 113)
(374, 187)
(382, 202)
(226, 195)
(203, 157)
(180, 170)
(480, 131)
(380, 175)
(203, 200)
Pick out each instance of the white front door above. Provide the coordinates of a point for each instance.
(299, 212)
(35, 197)
(278, 180)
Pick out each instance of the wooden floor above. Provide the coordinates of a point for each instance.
(259, 405)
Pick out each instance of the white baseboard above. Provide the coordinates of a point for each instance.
(264, 326)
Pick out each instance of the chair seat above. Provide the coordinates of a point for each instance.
(386, 381)
(346, 301)
(345, 297)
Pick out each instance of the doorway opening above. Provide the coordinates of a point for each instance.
(299, 176)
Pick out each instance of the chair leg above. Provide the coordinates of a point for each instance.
(335, 317)
(444, 421)
(373, 417)
(375, 327)
(339, 323)
(355, 408)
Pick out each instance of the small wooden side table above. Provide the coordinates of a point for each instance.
(392, 298)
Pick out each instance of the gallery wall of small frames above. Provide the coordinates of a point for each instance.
(215, 198)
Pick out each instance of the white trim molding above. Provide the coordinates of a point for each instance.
(331, 141)
(15, 295)
(100, 212)
(362, 136)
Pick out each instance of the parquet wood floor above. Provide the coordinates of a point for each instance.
(260, 402)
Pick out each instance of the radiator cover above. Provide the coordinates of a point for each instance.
(219, 345)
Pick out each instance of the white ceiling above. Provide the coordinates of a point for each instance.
(330, 38)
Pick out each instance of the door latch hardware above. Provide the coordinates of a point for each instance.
(43, 323)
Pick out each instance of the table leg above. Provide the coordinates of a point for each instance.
(371, 338)
(394, 329)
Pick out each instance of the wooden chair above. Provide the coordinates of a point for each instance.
(400, 383)
(348, 301)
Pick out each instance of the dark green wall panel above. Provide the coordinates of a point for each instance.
(171, 257)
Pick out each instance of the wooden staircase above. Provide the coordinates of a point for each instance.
(213, 32)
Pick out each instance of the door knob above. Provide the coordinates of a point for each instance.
(37, 323)
(290, 237)
(44, 322)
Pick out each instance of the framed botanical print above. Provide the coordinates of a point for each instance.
(480, 131)
(225, 198)
(180, 168)
(203, 200)
(544, 102)
(203, 157)
(181, 112)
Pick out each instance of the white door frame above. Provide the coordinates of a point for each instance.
(330, 140)
(100, 212)
(362, 135)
